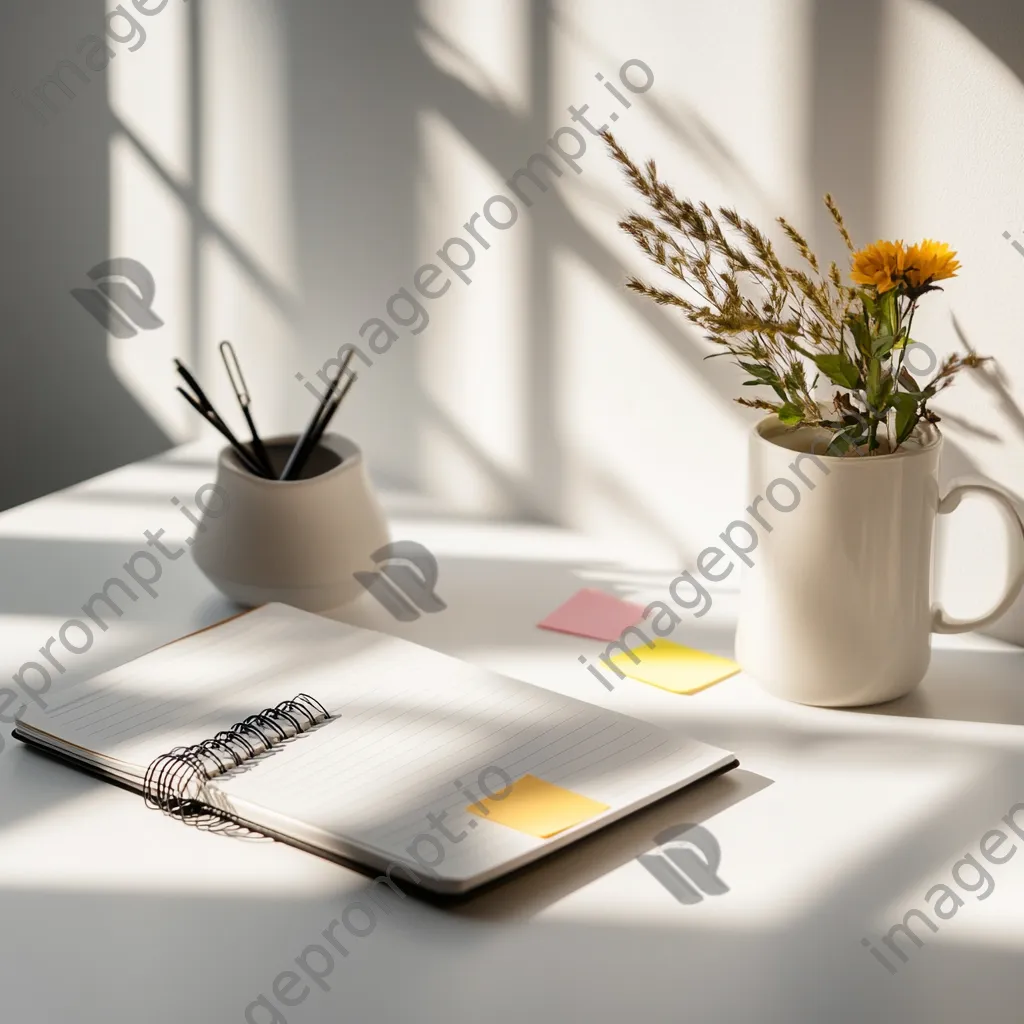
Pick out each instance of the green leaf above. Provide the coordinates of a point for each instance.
(791, 414)
(882, 345)
(839, 369)
(906, 378)
(797, 347)
(887, 311)
(765, 374)
(907, 415)
(861, 332)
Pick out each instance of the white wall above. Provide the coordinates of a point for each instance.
(284, 168)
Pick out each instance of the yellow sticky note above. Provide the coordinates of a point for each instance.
(537, 808)
(676, 668)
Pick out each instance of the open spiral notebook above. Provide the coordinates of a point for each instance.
(351, 743)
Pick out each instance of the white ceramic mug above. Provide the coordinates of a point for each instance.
(837, 609)
(296, 541)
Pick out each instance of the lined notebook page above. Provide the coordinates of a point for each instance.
(372, 776)
(186, 692)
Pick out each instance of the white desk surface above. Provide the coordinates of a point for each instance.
(836, 825)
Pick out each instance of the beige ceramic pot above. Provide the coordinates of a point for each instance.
(301, 541)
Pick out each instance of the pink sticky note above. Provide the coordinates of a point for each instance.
(594, 614)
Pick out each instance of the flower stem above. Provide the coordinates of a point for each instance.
(906, 342)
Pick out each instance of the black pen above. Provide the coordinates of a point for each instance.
(325, 419)
(293, 464)
(183, 370)
(216, 422)
(205, 408)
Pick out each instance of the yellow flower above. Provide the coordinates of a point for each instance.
(888, 265)
(930, 261)
(882, 265)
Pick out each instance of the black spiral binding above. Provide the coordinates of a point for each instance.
(175, 783)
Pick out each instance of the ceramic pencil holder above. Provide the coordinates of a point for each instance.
(296, 541)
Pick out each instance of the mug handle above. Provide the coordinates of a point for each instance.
(941, 624)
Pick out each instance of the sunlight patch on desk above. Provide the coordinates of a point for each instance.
(154, 855)
(494, 541)
(157, 478)
(972, 896)
(997, 921)
(783, 865)
(64, 517)
(18, 632)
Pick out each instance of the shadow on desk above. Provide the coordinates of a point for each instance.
(551, 879)
(966, 686)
